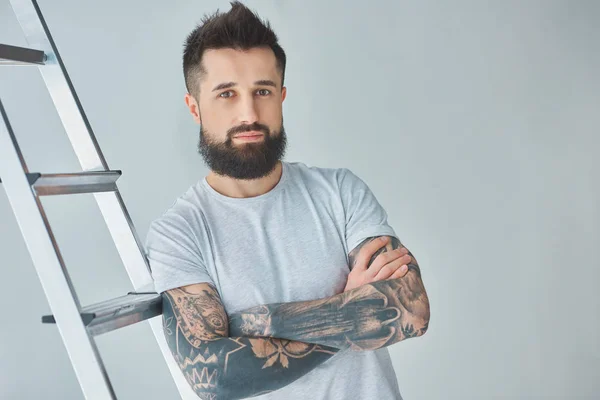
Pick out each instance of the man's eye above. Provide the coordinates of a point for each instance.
(264, 92)
(228, 93)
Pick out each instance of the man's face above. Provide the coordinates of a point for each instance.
(241, 94)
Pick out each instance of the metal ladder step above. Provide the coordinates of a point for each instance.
(117, 313)
(14, 55)
(73, 183)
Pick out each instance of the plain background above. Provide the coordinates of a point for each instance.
(476, 125)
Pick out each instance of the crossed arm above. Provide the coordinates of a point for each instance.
(264, 348)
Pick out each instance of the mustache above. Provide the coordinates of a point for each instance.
(247, 128)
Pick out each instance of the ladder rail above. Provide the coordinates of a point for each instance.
(57, 79)
(50, 267)
(83, 140)
(89, 154)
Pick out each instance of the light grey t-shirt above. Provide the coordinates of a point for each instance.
(289, 244)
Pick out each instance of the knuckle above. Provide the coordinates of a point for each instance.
(387, 256)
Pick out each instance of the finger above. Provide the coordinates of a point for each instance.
(391, 268)
(366, 252)
(400, 273)
(387, 270)
(383, 259)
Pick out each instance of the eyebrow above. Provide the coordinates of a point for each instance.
(227, 85)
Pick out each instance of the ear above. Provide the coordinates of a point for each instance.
(283, 93)
(192, 104)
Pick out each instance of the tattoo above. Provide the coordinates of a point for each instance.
(413, 297)
(408, 331)
(424, 328)
(366, 318)
(221, 367)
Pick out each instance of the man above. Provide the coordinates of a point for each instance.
(279, 280)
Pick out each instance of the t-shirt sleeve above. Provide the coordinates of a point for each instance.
(174, 254)
(365, 217)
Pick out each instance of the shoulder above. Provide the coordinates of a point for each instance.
(332, 175)
(185, 213)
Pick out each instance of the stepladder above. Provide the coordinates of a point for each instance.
(78, 325)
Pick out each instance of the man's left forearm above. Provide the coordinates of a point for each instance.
(366, 318)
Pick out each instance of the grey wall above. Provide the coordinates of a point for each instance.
(475, 124)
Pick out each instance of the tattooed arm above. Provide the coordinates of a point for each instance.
(221, 367)
(369, 317)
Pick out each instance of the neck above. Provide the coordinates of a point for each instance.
(239, 188)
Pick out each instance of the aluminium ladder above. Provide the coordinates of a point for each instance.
(77, 325)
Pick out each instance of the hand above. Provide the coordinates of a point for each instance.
(389, 265)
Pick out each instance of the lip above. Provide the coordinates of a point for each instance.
(251, 134)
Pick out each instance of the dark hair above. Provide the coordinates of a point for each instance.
(239, 28)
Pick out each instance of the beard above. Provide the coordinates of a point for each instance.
(252, 160)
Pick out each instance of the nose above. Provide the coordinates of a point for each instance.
(247, 112)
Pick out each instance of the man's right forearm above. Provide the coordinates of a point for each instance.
(220, 367)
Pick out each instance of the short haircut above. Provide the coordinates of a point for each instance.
(239, 29)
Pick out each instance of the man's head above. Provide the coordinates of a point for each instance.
(234, 71)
